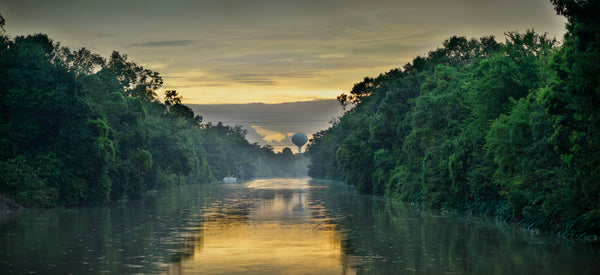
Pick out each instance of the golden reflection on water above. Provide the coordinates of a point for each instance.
(284, 232)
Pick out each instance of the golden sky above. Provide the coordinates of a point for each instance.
(271, 51)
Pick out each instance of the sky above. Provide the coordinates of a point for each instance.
(271, 51)
(275, 123)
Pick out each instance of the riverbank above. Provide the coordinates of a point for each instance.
(498, 210)
(9, 206)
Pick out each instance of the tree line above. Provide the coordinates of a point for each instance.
(77, 128)
(509, 129)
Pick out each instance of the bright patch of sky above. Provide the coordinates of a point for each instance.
(271, 51)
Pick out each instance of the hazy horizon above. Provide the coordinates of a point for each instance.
(273, 124)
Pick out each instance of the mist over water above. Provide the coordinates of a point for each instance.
(275, 226)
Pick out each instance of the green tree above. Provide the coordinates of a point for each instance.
(573, 100)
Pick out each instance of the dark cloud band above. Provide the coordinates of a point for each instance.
(168, 43)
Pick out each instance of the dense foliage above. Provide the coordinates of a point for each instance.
(507, 129)
(76, 128)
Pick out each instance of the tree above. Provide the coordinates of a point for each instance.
(507, 129)
(76, 129)
(2, 22)
(573, 101)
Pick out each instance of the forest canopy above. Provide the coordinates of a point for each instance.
(77, 128)
(509, 129)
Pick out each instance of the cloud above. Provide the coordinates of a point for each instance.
(262, 82)
(268, 78)
(254, 79)
(268, 135)
(166, 43)
(272, 50)
(273, 124)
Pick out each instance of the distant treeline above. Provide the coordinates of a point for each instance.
(506, 129)
(76, 128)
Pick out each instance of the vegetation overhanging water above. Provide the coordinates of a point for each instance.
(502, 129)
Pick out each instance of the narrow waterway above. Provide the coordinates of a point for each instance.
(277, 226)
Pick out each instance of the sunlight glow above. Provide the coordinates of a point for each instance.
(287, 233)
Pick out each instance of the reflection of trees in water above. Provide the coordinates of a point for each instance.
(221, 215)
(386, 236)
(238, 208)
(374, 234)
(187, 248)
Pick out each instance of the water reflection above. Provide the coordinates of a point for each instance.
(268, 226)
(385, 236)
(276, 226)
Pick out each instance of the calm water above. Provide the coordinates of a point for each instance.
(276, 226)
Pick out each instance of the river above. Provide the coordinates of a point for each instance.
(277, 226)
